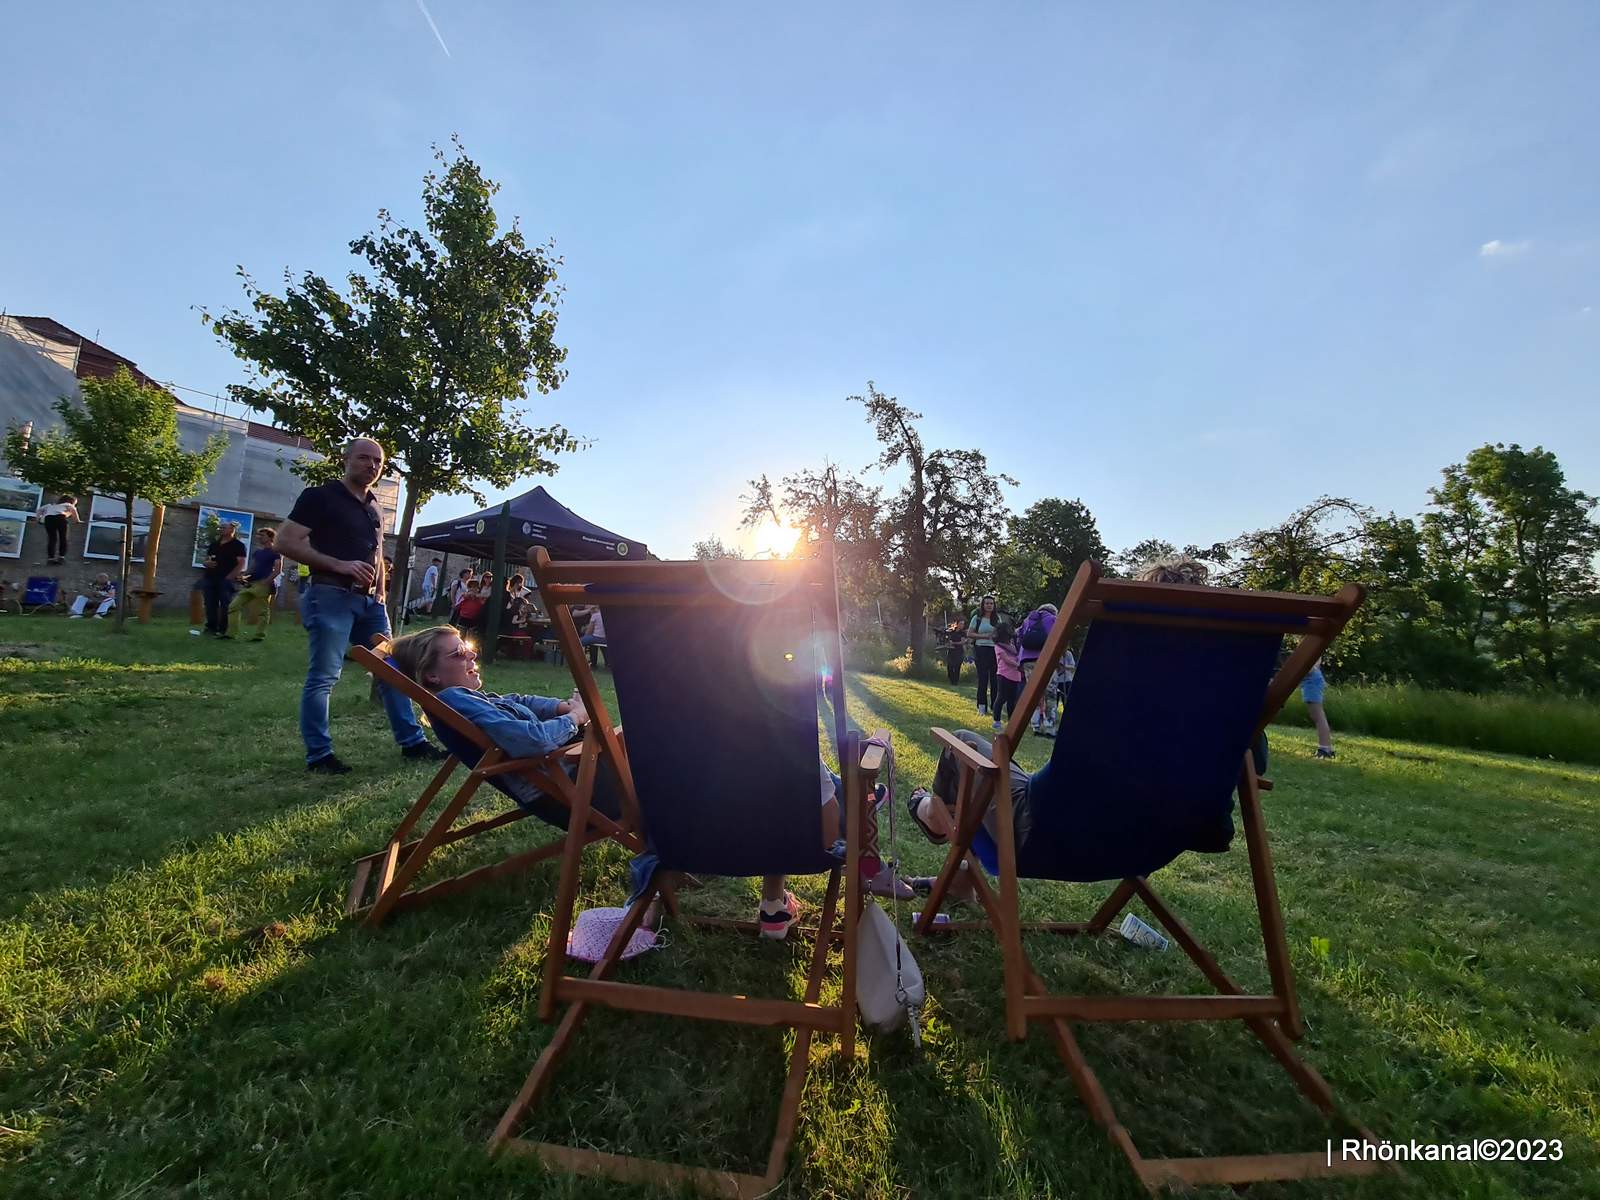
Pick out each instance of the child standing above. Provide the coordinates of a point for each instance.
(468, 617)
(1008, 672)
(1312, 690)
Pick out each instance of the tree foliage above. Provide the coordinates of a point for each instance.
(427, 349)
(121, 443)
(943, 523)
(827, 504)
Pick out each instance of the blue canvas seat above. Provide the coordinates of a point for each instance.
(716, 669)
(1147, 758)
(1174, 686)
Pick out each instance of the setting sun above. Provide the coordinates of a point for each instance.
(772, 540)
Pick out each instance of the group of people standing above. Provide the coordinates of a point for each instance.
(241, 583)
(1005, 653)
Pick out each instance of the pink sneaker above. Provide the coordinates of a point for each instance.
(775, 924)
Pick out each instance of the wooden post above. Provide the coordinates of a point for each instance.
(497, 598)
(152, 547)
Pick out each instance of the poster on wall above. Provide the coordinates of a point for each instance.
(19, 499)
(211, 520)
(103, 537)
(12, 528)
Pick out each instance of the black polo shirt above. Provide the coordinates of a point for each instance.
(341, 526)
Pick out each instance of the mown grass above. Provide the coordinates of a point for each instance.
(1556, 727)
(184, 1011)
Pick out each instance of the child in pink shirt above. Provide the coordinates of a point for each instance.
(1008, 671)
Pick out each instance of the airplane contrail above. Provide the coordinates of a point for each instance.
(428, 17)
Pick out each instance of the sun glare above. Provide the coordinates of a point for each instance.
(772, 540)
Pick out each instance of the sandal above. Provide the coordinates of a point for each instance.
(913, 802)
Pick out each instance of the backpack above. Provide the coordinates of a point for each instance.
(1036, 629)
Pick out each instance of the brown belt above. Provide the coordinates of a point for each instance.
(345, 583)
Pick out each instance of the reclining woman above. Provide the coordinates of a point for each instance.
(446, 664)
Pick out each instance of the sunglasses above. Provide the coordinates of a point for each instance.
(463, 650)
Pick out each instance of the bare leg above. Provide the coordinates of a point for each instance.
(934, 813)
(1319, 718)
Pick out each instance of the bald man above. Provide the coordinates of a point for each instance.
(337, 530)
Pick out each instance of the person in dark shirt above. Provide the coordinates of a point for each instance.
(224, 563)
(253, 604)
(337, 530)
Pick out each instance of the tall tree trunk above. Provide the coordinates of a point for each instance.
(127, 557)
(401, 583)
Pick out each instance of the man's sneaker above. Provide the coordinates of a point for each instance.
(328, 765)
(1324, 752)
(426, 751)
(775, 924)
(74, 616)
(983, 710)
(998, 727)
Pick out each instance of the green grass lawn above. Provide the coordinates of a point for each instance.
(185, 1011)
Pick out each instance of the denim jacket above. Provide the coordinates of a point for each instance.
(522, 726)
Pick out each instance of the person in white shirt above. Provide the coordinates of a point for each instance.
(55, 517)
(430, 589)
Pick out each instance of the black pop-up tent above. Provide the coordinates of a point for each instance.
(537, 519)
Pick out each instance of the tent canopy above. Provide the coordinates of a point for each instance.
(537, 519)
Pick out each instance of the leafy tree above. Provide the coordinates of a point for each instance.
(427, 352)
(1140, 554)
(122, 443)
(1542, 531)
(1057, 537)
(1315, 546)
(1021, 575)
(947, 516)
(828, 504)
(1466, 570)
(712, 548)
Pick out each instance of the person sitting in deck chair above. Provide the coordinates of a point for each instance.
(445, 663)
(440, 660)
(934, 810)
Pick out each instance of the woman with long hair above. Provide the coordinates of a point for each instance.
(980, 632)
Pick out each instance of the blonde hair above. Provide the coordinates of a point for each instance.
(416, 653)
(1180, 568)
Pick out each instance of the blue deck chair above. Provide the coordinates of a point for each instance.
(382, 882)
(42, 594)
(732, 650)
(1175, 684)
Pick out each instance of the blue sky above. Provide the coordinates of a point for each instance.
(1195, 264)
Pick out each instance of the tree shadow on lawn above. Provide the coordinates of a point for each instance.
(133, 780)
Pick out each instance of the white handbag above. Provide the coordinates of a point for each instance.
(888, 980)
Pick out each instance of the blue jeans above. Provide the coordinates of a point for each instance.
(218, 594)
(335, 620)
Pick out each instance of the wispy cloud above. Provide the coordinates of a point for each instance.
(1494, 249)
(428, 17)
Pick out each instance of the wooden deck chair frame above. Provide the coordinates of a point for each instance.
(389, 873)
(562, 585)
(1275, 1019)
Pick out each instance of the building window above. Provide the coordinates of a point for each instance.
(104, 536)
(18, 502)
(210, 525)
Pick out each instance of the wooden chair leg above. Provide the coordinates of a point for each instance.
(1115, 903)
(1267, 906)
(395, 884)
(544, 1068)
